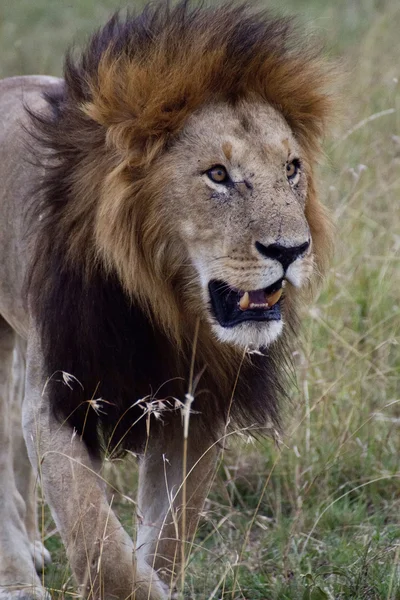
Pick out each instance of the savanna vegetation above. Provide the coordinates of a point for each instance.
(315, 513)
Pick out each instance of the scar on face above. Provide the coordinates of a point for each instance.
(227, 150)
(285, 144)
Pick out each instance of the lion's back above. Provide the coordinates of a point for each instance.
(17, 175)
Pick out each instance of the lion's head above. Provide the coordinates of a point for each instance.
(236, 187)
(193, 136)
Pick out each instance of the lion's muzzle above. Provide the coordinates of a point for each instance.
(283, 254)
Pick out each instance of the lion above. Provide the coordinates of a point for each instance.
(160, 228)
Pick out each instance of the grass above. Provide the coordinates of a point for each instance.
(316, 516)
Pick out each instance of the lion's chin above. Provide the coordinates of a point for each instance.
(251, 335)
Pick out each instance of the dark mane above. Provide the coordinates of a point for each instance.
(127, 95)
(91, 330)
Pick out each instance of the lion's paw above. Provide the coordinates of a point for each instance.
(26, 593)
(159, 590)
(41, 556)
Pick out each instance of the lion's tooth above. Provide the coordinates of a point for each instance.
(244, 301)
(273, 298)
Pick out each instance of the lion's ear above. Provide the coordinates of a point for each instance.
(304, 92)
(139, 115)
(127, 138)
(112, 103)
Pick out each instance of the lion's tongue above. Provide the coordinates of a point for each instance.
(257, 299)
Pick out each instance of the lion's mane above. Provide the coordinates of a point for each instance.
(103, 288)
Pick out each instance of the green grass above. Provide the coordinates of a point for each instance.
(316, 516)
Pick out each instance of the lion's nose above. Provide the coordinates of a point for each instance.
(284, 254)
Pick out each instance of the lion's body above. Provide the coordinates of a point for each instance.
(152, 190)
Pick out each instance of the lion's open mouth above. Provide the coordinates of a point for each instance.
(231, 306)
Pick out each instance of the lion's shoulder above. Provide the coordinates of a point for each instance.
(25, 90)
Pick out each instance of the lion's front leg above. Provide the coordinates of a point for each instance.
(25, 478)
(100, 551)
(18, 578)
(170, 503)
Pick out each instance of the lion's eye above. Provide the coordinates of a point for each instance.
(218, 174)
(293, 171)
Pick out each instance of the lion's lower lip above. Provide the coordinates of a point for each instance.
(225, 304)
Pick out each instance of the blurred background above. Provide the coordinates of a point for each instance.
(317, 514)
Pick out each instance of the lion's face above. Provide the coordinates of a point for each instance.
(239, 188)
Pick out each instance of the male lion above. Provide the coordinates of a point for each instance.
(159, 224)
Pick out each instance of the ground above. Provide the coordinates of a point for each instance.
(317, 515)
